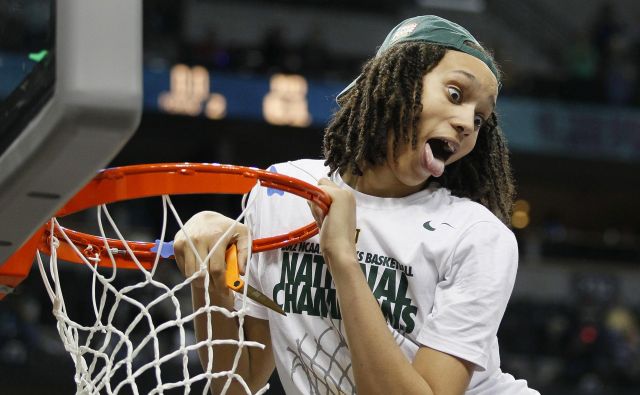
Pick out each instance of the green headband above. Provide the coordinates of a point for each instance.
(433, 29)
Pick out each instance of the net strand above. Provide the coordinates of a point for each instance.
(107, 349)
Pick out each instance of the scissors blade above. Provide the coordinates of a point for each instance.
(263, 300)
(237, 284)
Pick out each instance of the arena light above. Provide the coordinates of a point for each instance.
(286, 102)
(520, 217)
(216, 107)
(189, 90)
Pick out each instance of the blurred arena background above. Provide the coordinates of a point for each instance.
(252, 82)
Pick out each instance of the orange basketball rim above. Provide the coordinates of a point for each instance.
(138, 181)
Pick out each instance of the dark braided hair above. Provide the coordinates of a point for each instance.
(388, 97)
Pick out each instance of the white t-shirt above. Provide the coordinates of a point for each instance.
(441, 267)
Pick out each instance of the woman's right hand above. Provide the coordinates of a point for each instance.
(205, 230)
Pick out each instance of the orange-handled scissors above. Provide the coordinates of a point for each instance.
(235, 283)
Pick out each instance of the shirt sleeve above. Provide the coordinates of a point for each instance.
(472, 295)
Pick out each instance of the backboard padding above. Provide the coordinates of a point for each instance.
(95, 109)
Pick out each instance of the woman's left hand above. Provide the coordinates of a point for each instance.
(338, 226)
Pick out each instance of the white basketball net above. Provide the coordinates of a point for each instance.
(138, 339)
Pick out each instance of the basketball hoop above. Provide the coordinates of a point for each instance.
(100, 351)
(131, 182)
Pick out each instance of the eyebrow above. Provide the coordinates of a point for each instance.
(473, 78)
(466, 73)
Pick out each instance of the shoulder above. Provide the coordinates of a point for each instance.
(308, 170)
(472, 218)
(274, 210)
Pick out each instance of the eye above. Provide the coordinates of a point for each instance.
(455, 94)
(478, 122)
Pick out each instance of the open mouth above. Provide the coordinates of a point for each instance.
(442, 149)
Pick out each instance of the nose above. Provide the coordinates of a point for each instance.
(463, 120)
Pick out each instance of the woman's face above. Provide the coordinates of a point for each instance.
(458, 96)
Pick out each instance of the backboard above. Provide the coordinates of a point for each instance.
(70, 98)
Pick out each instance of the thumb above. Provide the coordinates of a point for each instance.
(242, 243)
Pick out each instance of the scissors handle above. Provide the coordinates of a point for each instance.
(232, 277)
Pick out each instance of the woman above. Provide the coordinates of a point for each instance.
(404, 288)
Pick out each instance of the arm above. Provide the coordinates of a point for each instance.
(255, 365)
(205, 229)
(379, 365)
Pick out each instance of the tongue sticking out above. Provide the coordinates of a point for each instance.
(434, 165)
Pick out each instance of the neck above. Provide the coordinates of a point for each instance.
(379, 182)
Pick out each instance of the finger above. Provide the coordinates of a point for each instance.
(180, 249)
(184, 260)
(217, 263)
(180, 246)
(178, 253)
(327, 182)
(201, 253)
(190, 264)
(316, 212)
(185, 255)
(242, 242)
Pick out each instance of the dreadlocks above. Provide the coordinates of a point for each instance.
(388, 97)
